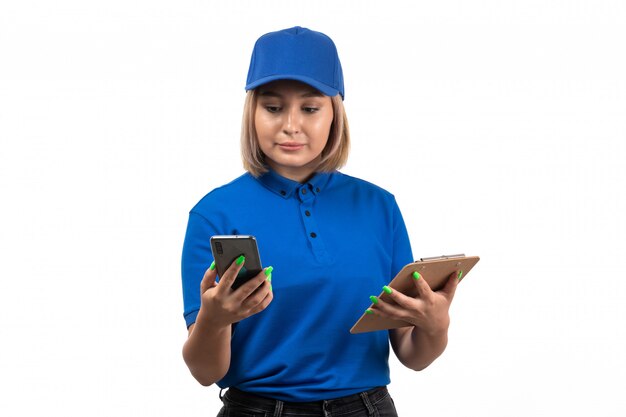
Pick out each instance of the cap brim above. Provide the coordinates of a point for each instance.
(329, 91)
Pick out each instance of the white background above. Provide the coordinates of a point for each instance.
(500, 126)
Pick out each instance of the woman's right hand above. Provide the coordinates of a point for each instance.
(222, 306)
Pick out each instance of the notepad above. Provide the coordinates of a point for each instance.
(435, 270)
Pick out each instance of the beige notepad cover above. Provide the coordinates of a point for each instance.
(434, 270)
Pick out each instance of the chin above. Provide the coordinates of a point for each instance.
(292, 162)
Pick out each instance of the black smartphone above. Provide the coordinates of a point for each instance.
(227, 248)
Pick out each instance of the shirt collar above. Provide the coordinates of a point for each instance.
(286, 187)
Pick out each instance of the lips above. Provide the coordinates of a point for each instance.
(291, 146)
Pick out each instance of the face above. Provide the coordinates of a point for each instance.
(293, 123)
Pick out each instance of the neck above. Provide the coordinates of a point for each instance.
(300, 174)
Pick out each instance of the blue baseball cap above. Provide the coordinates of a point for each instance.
(299, 54)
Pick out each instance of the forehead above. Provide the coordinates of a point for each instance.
(280, 88)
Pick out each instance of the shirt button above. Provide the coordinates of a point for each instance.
(313, 234)
(283, 192)
(304, 191)
(308, 213)
(317, 189)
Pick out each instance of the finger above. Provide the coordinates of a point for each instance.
(208, 280)
(450, 288)
(391, 311)
(257, 297)
(263, 304)
(398, 298)
(251, 285)
(231, 274)
(423, 289)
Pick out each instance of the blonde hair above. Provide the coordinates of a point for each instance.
(334, 154)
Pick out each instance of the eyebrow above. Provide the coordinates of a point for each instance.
(269, 93)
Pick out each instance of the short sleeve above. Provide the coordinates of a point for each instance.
(196, 259)
(402, 253)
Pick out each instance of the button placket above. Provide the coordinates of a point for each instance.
(307, 197)
(307, 218)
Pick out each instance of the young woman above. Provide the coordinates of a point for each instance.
(281, 342)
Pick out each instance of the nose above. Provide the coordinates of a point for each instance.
(292, 122)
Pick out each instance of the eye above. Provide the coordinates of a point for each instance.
(272, 109)
(311, 109)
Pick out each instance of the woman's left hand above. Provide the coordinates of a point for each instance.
(428, 310)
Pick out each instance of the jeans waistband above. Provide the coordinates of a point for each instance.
(362, 400)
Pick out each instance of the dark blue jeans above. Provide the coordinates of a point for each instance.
(376, 402)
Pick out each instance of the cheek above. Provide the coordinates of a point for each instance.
(263, 126)
(322, 127)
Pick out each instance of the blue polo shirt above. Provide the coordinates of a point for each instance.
(333, 241)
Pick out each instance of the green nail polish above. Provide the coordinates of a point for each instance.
(212, 267)
(240, 260)
(271, 287)
(460, 275)
(387, 289)
(269, 278)
(268, 270)
(416, 275)
(368, 311)
(373, 299)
